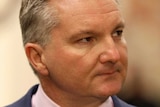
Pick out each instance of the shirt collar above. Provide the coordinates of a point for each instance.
(107, 103)
(40, 99)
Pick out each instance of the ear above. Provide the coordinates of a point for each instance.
(35, 56)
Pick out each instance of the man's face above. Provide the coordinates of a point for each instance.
(87, 55)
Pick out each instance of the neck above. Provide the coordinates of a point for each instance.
(66, 99)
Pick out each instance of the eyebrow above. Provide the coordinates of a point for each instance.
(121, 24)
(117, 1)
(83, 33)
(88, 32)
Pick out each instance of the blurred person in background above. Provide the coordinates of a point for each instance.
(135, 93)
(77, 50)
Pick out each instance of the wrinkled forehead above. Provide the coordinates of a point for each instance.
(75, 7)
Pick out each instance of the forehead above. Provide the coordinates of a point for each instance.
(87, 15)
(78, 7)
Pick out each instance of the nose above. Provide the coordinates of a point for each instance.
(109, 53)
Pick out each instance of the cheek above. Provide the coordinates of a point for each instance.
(122, 47)
(66, 60)
(124, 59)
(71, 68)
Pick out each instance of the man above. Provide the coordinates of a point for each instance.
(77, 50)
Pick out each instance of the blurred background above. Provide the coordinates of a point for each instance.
(142, 87)
(16, 76)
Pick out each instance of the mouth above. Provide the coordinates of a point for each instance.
(110, 71)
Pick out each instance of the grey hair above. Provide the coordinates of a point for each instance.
(37, 19)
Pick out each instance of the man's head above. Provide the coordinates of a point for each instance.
(86, 56)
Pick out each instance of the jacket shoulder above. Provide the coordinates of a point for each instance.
(119, 103)
(25, 101)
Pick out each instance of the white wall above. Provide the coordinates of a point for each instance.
(16, 76)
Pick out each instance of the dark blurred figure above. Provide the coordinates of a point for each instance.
(136, 98)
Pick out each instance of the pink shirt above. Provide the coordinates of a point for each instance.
(40, 99)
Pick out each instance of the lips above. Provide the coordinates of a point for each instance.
(109, 70)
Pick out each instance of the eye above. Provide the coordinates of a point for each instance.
(118, 33)
(86, 40)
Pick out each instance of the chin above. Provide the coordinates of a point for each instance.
(109, 90)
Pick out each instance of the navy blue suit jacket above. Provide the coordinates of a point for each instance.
(26, 100)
